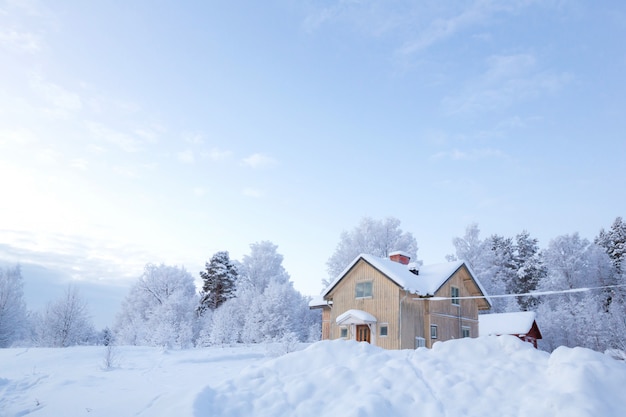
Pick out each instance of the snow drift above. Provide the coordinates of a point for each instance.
(488, 376)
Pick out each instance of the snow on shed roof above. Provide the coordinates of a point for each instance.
(518, 323)
(429, 280)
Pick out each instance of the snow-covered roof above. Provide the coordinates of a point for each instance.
(355, 316)
(429, 280)
(518, 323)
(318, 301)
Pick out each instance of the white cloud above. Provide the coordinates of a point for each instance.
(194, 138)
(471, 155)
(216, 154)
(443, 28)
(253, 192)
(258, 160)
(19, 136)
(21, 41)
(186, 156)
(506, 80)
(49, 156)
(61, 102)
(80, 164)
(124, 141)
(200, 191)
(126, 171)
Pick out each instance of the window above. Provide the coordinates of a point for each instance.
(465, 331)
(343, 332)
(433, 331)
(454, 294)
(384, 330)
(420, 342)
(363, 289)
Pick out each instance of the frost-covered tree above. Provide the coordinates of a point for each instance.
(159, 309)
(374, 237)
(65, 321)
(263, 265)
(502, 265)
(489, 259)
(469, 248)
(579, 318)
(574, 262)
(530, 270)
(614, 242)
(12, 307)
(219, 281)
(266, 306)
(226, 324)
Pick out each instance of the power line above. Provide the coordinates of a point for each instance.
(527, 294)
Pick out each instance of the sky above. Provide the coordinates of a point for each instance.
(151, 131)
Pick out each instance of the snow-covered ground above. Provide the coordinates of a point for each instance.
(489, 376)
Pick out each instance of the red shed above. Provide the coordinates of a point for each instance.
(521, 324)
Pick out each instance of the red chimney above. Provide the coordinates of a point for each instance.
(400, 257)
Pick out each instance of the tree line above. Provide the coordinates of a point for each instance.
(240, 302)
(253, 300)
(518, 265)
(593, 318)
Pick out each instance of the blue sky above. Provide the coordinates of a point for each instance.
(135, 132)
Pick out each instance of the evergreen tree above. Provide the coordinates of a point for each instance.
(219, 280)
(530, 270)
(614, 242)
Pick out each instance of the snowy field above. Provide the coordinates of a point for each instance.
(490, 376)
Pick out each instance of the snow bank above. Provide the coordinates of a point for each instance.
(490, 376)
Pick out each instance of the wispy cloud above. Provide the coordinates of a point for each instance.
(507, 79)
(258, 160)
(20, 41)
(194, 138)
(443, 28)
(469, 155)
(80, 164)
(124, 141)
(80, 258)
(20, 136)
(253, 192)
(200, 191)
(216, 154)
(60, 102)
(186, 157)
(415, 26)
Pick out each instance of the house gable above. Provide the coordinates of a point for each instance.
(382, 304)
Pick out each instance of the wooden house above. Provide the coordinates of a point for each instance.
(396, 305)
(522, 324)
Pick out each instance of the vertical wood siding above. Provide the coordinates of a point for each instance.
(383, 304)
(325, 323)
(389, 303)
(451, 318)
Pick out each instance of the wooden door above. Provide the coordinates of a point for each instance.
(363, 333)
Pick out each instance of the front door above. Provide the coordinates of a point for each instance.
(363, 333)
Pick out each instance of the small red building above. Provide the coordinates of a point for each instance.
(521, 324)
